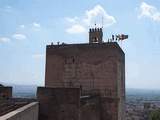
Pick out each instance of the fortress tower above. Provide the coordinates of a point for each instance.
(95, 35)
(96, 69)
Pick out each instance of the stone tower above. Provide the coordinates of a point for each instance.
(95, 69)
(95, 35)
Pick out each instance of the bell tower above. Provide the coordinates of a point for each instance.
(95, 35)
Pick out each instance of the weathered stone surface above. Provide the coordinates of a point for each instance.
(58, 103)
(97, 68)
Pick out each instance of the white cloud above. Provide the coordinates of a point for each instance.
(19, 36)
(4, 39)
(22, 26)
(96, 14)
(33, 26)
(76, 28)
(149, 11)
(89, 18)
(8, 8)
(38, 56)
(36, 26)
(72, 20)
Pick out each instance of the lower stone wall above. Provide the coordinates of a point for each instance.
(90, 108)
(66, 104)
(58, 103)
(27, 112)
(99, 108)
(109, 108)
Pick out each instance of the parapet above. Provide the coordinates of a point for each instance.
(95, 30)
(105, 45)
(26, 112)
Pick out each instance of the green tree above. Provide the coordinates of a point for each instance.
(154, 115)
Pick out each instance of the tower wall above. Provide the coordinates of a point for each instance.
(94, 68)
(95, 35)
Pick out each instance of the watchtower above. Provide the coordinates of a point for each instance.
(74, 71)
(95, 35)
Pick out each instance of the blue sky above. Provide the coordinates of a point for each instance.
(27, 26)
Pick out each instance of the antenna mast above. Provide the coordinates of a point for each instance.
(102, 22)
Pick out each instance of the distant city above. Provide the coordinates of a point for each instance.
(135, 99)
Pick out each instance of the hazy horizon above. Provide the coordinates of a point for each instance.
(34, 85)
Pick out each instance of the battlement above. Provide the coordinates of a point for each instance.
(112, 45)
(95, 30)
(95, 35)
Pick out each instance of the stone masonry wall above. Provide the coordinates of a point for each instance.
(90, 67)
(58, 103)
